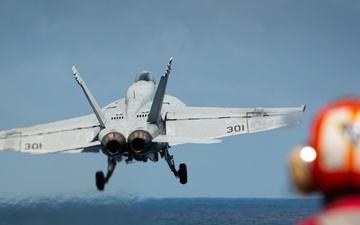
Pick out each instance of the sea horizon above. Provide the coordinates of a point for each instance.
(132, 210)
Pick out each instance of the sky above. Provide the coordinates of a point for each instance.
(226, 54)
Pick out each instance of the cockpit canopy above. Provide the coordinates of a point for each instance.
(145, 76)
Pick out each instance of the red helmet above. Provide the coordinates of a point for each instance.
(331, 161)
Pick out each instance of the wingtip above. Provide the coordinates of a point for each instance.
(303, 107)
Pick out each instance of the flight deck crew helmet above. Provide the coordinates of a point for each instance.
(331, 161)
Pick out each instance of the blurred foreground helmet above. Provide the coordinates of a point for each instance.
(331, 161)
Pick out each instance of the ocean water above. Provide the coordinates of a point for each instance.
(168, 211)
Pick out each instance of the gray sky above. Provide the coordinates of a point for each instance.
(226, 54)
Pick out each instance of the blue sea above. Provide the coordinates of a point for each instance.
(168, 211)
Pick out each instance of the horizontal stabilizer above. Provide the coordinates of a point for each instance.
(173, 140)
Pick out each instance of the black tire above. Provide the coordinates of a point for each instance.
(183, 173)
(100, 180)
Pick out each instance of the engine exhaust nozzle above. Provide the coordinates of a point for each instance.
(139, 140)
(114, 143)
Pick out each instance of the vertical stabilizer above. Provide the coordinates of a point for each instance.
(99, 114)
(155, 111)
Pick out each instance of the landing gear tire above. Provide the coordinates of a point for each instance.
(183, 173)
(100, 180)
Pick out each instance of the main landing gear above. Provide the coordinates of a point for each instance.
(101, 180)
(181, 173)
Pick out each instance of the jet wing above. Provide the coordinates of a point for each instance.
(73, 136)
(209, 123)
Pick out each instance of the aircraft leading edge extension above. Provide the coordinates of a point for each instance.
(143, 126)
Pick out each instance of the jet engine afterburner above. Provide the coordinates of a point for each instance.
(139, 140)
(113, 141)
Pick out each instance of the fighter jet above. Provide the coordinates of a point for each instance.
(143, 125)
